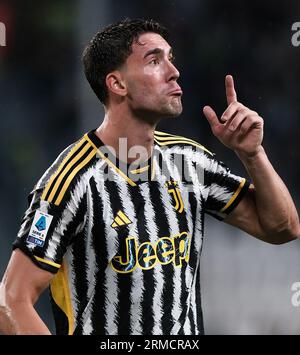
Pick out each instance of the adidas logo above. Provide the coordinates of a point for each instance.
(120, 220)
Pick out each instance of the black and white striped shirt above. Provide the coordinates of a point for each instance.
(124, 243)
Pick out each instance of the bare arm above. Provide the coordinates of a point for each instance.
(268, 211)
(22, 284)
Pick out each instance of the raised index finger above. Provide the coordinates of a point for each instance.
(230, 92)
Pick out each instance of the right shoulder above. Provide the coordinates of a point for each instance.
(68, 167)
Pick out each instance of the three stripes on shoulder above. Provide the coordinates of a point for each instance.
(163, 139)
(78, 157)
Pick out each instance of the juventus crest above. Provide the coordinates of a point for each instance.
(174, 191)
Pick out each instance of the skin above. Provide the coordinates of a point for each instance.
(143, 91)
(267, 212)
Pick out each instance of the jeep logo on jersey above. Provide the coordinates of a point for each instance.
(165, 251)
(174, 191)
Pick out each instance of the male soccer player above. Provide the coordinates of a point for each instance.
(118, 238)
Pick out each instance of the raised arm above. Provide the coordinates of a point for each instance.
(267, 211)
(22, 284)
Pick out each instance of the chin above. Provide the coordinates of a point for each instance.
(153, 116)
(173, 111)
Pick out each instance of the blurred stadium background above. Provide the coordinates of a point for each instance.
(46, 103)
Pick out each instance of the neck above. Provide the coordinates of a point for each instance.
(131, 138)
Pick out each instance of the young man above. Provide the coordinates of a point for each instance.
(119, 238)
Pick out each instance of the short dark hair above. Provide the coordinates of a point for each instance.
(110, 48)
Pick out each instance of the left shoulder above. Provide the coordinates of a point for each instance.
(164, 139)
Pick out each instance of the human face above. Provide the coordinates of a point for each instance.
(151, 79)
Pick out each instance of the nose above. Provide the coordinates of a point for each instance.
(173, 73)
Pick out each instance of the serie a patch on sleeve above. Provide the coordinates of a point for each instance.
(39, 228)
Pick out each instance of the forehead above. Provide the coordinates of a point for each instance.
(147, 41)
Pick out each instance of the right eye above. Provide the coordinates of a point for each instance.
(154, 61)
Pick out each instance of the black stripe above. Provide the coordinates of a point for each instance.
(168, 270)
(78, 250)
(194, 254)
(101, 252)
(223, 179)
(180, 143)
(214, 204)
(174, 138)
(198, 304)
(61, 319)
(69, 173)
(95, 139)
(183, 227)
(191, 319)
(165, 134)
(72, 156)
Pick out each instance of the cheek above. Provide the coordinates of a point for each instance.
(153, 76)
(144, 90)
(147, 80)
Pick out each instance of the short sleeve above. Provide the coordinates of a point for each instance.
(224, 189)
(47, 229)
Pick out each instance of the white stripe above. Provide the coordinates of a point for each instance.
(220, 193)
(202, 161)
(212, 165)
(90, 257)
(87, 328)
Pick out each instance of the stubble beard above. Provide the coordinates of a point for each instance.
(173, 108)
(167, 110)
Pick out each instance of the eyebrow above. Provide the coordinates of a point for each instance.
(156, 51)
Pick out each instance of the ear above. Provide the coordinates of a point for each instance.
(116, 84)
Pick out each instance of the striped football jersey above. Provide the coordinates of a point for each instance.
(124, 242)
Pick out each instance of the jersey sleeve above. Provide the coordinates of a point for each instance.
(224, 190)
(57, 208)
(47, 229)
